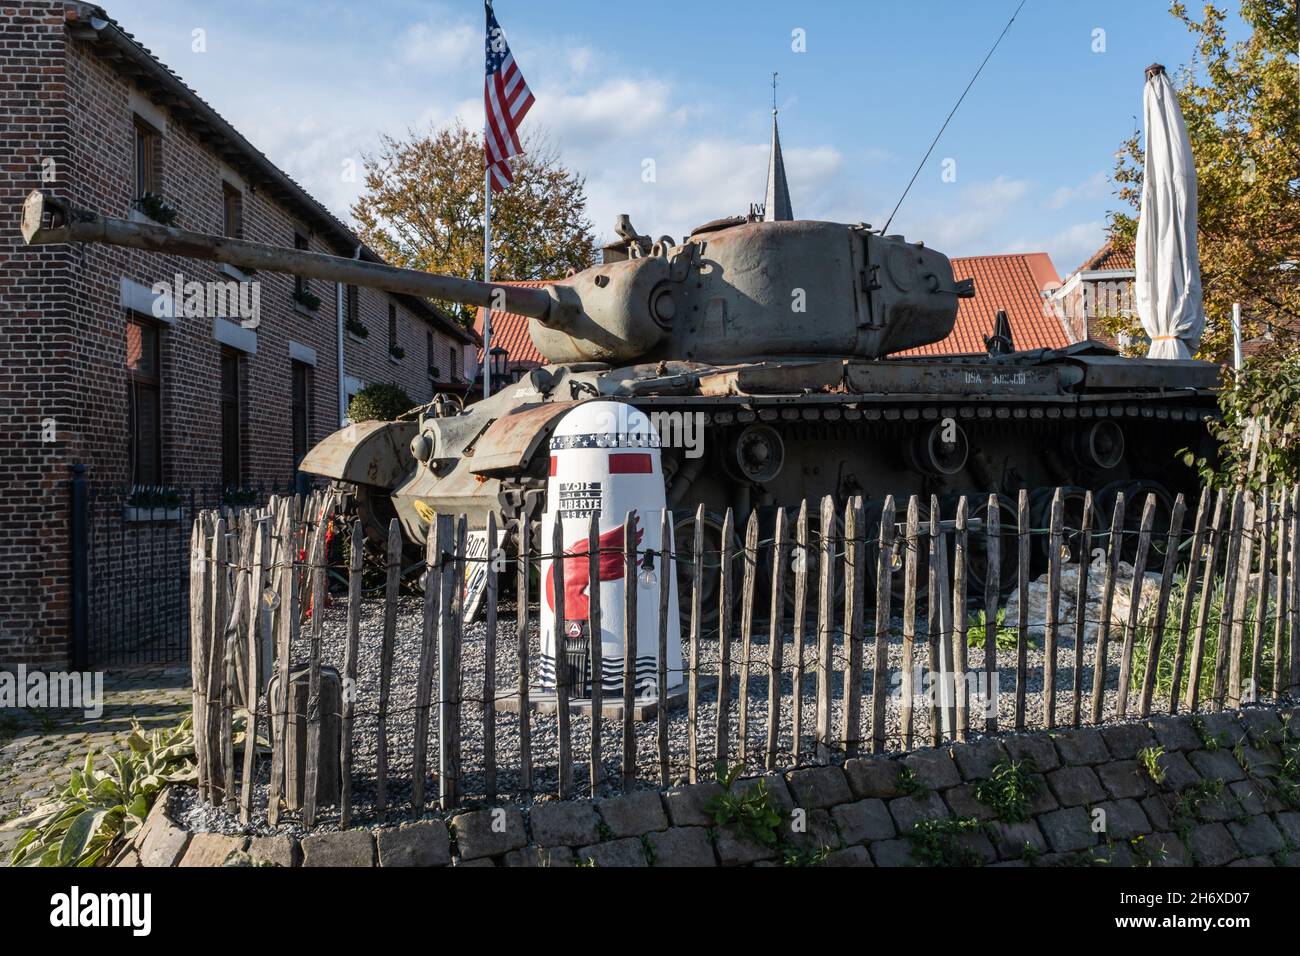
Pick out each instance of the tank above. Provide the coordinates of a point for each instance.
(767, 353)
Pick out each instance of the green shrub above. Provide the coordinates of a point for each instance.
(977, 629)
(1010, 789)
(379, 403)
(99, 809)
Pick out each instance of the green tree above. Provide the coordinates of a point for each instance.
(1242, 109)
(422, 207)
(379, 402)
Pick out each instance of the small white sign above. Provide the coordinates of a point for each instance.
(477, 569)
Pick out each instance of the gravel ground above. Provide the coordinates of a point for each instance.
(401, 722)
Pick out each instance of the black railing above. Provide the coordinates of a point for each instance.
(130, 569)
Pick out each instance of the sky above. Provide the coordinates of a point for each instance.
(666, 108)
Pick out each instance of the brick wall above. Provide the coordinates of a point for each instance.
(69, 129)
(37, 340)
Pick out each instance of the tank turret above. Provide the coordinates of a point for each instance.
(734, 290)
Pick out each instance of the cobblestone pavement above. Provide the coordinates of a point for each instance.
(37, 747)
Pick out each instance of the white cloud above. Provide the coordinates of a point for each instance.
(441, 47)
(1096, 186)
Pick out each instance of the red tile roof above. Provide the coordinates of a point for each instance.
(1012, 282)
(1109, 256)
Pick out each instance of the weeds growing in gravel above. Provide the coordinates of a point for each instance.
(977, 631)
(1169, 641)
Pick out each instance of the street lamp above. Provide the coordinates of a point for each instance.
(499, 364)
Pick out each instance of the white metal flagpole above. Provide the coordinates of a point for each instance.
(487, 277)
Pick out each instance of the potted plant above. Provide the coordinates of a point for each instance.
(156, 208)
(356, 328)
(397, 352)
(304, 298)
(152, 504)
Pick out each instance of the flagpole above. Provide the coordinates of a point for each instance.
(487, 277)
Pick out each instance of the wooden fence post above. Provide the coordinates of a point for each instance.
(357, 552)
(392, 583)
(1081, 610)
(884, 593)
(667, 561)
(252, 700)
(797, 625)
(909, 620)
(216, 658)
(933, 590)
(1054, 545)
(565, 743)
(693, 689)
(1135, 605)
(630, 584)
(319, 573)
(490, 597)
(596, 644)
(286, 625)
(992, 595)
(1264, 530)
(750, 553)
(854, 583)
(523, 675)
(825, 627)
(776, 634)
(1022, 624)
(1114, 548)
(1155, 642)
(1189, 593)
(960, 543)
(200, 615)
(435, 542)
(1221, 512)
(450, 601)
(1282, 593)
(1243, 513)
(722, 738)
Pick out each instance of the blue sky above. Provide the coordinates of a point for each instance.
(687, 85)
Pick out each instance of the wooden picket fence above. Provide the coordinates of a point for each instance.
(260, 580)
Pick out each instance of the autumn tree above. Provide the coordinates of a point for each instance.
(422, 207)
(1240, 102)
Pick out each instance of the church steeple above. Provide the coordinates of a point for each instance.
(776, 207)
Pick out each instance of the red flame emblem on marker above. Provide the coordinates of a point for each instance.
(576, 569)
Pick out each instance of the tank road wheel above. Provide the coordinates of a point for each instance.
(977, 547)
(1040, 516)
(898, 559)
(1100, 445)
(711, 582)
(1135, 496)
(375, 509)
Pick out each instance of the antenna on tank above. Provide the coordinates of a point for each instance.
(921, 164)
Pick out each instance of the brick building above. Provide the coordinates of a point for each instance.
(99, 368)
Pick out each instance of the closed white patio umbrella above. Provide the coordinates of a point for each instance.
(1168, 282)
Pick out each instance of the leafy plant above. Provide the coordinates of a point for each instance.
(99, 809)
(1010, 789)
(977, 631)
(1149, 760)
(805, 856)
(307, 300)
(357, 328)
(157, 208)
(397, 352)
(909, 783)
(379, 403)
(151, 497)
(753, 812)
(937, 843)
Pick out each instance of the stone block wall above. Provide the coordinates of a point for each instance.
(1203, 790)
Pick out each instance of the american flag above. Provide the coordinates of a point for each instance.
(506, 101)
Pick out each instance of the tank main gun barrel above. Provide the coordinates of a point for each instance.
(47, 220)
